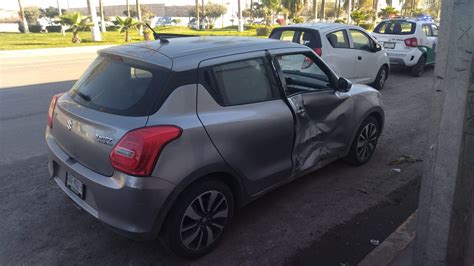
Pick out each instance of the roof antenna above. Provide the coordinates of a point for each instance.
(156, 35)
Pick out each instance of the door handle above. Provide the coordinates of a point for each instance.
(359, 57)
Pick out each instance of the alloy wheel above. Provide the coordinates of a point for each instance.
(366, 141)
(204, 220)
(382, 78)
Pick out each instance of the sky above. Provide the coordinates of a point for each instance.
(13, 4)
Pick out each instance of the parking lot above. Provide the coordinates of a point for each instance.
(41, 226)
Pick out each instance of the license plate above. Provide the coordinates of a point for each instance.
(389, 45)
(75, 185)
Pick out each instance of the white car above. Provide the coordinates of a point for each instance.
(350, 50)
(409, 42)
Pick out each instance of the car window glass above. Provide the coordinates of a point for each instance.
(305, 38)
(360, 40)
(435, 29)
(302, 74)
(244, 82)
(427, 29)
(338, 39)
(395, 27)
(287, 35)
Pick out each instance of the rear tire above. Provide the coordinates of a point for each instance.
(418, 69)
(365, 142)
(382, 76)
(197, 220)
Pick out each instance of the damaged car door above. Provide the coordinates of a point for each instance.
(321, 112)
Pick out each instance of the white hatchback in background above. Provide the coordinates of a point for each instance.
(350, 50)
(409, 42)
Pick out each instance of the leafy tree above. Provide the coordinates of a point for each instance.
(294, 7)
(77, 23)
(32, 14)
(360, 15)
(50, 13)
(387, 12)
(211, 12)
(126, 25)
(147, 14)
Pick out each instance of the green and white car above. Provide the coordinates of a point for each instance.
(408, 42)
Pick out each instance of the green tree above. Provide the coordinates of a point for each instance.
(76, 22)
(126, 25)
(359, 16)
(214, 11)
(387, 12)
(294, 7)
(50, 13)
(32, 14)
(147, 14)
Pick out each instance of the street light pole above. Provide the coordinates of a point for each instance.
(96, 36)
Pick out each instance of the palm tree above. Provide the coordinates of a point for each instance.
(126, 25)
(139, 15)
(23, 18)
(128, 9)
(322, 12)
(294, 7)
(76, 22)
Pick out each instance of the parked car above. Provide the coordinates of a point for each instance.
(168, 139)
(347, 49)
(409, 42)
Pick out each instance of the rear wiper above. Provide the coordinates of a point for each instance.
(86, 98)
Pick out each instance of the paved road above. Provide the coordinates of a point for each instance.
(39, 225)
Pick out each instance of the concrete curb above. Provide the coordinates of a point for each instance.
(50, 51)
(395, 244)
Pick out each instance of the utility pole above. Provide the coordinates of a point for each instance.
(102, 19)
(60, 12)
(139, 14)
(96, 36)
(241, 23)
(445, 220)
(23, 18)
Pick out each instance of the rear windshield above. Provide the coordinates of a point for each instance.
(117, 87)
(395, 27)
(301, 36)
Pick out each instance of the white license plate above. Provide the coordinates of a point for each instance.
(389, 45)
(75, 185)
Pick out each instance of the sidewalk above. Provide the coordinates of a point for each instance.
(397, 249)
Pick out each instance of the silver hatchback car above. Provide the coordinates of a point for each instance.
(168, 139)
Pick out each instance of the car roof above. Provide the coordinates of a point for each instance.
(417, 21)
(324, 27)
(195, 49)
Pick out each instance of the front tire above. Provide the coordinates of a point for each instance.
(198, 219)
(363, 145)
(382, 76)
(418, 69)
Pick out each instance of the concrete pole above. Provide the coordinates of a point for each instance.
(197, 15)
(23, 18)
(63, 32)
(315, 9)
(128, 9)
(96, 37)
(446, 207)
(241, 22)
(139, 14)
(102, 19)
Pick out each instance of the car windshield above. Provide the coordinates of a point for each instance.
(395, 27)
(114, 86)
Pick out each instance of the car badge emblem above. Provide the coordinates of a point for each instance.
(69, 124)
(104, 139)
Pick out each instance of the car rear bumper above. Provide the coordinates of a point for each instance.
(129, 204)
(404, 58)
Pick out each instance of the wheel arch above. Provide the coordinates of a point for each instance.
(376, 112)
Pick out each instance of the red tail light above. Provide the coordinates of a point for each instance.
(318, 51)
(52, 105)
(137, 152)
(411, 42)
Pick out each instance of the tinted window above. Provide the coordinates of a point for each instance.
(305, 38)
(287, 36)
(244, 82)
(360, 40)
(395, 27)
(338, 39)
(302, 73)
(116, 87)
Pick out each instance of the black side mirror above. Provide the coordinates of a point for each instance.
(377, 47)
(343, 85)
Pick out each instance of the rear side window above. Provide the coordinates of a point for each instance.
(116, 87)
(396, 27)
(338, 39)
(306, 37)
(244, 82)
